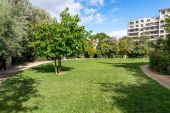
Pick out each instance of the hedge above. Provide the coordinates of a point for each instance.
(160, 62)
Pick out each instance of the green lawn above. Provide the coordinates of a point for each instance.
(87, 86)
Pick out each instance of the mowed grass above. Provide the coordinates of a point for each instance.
(86, 86)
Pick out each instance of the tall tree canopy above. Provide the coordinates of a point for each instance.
(59, 39)
(13, 25)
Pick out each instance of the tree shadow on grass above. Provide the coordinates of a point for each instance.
(49, 68)
(144, 97)
(134, 68)
(15, 92)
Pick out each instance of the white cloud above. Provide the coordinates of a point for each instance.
(99, 19)
(93, 19)
(118, 34)
(115, 21)
(96, 2)
(89, 11)
(56, 6)
(115, 9)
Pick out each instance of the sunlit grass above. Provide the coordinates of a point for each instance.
(87, 86)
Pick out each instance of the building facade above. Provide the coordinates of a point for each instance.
(153, 27)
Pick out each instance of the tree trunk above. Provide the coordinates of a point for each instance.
(59, 65)
(56, 66)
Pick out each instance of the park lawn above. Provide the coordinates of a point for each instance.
(86, 86)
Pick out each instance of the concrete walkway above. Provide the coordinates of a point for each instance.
(14, 69)
(162, 79)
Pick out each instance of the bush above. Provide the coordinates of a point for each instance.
(160, 62)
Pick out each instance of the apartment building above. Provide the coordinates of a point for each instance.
(153, 27)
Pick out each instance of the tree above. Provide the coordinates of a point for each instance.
(140, 47)
(89, 49)
(168, 36)
(100, 36)
(36, 16)
(107, 47)
(59, 39)
(13, 26)
(124, 46)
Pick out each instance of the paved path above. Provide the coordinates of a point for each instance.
(14, 69)
(162, 79)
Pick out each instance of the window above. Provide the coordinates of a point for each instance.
(131, 23)
(142, 21)
(141, 25)
(137, 25)
(163, 12)
(148, 20)
(137, 22)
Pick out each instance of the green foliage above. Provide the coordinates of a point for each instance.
(168, 36)
(160, 58)
(100, 36)
(124, 46)
(107, 47)
(38, 16)
(140, 47)
(12, 26)
(89, 49)
(59, 39)
(160, 62)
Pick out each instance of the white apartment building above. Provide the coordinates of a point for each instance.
(153, 27)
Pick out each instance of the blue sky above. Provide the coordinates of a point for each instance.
(109, 16)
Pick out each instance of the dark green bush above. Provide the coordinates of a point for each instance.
(160, 62)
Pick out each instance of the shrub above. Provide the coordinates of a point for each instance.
(160, 62)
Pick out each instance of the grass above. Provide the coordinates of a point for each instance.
(87, 86)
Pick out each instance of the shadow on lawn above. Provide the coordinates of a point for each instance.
(15, 92)
(146, 97)
(134, 68)
(49, 68)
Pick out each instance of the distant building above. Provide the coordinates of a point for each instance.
(153, 27)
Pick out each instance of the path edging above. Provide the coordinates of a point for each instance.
(164, 80)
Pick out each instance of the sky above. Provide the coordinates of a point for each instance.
(108, 16)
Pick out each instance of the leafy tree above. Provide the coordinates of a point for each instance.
(107, 47)
(13, 26)
(89, 49)
(39, 15)
(100, 36)
(124, 46)
(168, 36)
(140, 46)
(59, 39)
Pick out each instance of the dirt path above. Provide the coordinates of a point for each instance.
(162, 79)
(14, 69)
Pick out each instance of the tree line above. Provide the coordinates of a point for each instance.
(102, 45)
(17, 17)
(27, 32)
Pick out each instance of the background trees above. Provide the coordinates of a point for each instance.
(16, 19)
(124, 47)
(160, 58)
(13, 26)
(59, 39)
(107, 47)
